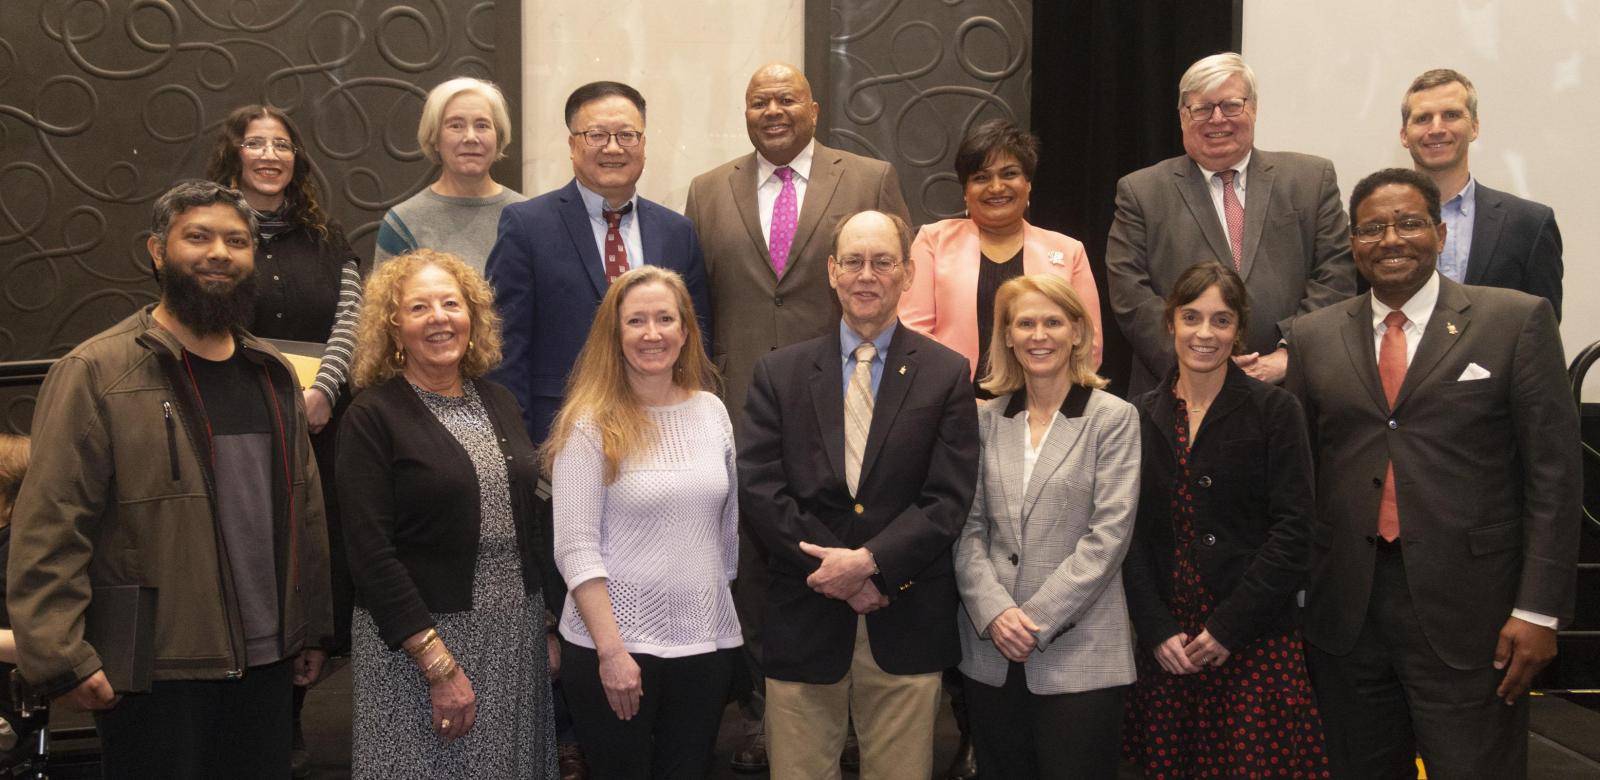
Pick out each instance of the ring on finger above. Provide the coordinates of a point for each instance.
(444, 725)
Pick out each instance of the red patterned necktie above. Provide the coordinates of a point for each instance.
(784, 217)
(616, 250)
(1392, 372)
(1233, 214)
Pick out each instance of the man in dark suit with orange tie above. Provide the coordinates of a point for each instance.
(858, 459)
(1448, 498)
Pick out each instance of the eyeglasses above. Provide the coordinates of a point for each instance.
(1231, 107)
(259, 146)
(851, 264)
(1373, 232)
(600, 138)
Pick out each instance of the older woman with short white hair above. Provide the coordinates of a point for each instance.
(465, 129)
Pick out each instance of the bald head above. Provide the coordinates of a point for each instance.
(779, 112)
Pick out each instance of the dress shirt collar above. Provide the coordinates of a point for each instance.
(1241, 166)
(801, 164)
(1418, 310)
(594, 203)
(849, 340)
(1466, 198)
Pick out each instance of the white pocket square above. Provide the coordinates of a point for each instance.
(1472, 372)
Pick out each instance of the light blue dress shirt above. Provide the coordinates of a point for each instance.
(1457, 213)
(628, 227)
(849, 340)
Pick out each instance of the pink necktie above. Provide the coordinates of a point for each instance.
(783, 221)
(1392, 372)
(1233, 213)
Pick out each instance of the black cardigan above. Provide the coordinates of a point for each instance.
(1251, 475)
(409, 496)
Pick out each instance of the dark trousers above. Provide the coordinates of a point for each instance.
(202, 729)
(1391, 698)
(749, 686)
(675, 732)
(1020, 734)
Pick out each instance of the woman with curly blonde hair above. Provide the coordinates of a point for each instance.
(451, 659)
(646, 535)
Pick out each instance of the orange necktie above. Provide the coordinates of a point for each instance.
(1392, 372)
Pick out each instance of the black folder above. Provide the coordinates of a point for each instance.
(121, 626)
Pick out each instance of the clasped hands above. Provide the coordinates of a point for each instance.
(846, 575)
(1181, 654)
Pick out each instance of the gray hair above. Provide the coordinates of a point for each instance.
(1208, 73)
(440, 97)
(192, 194)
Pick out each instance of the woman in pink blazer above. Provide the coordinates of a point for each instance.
(961, 262)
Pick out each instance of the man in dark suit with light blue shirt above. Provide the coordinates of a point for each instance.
(1449, 485)
(1495, 239)
(556, 254)
(858, 459)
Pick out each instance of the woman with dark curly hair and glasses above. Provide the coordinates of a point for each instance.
(308, 288)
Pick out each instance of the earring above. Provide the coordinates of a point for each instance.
(400, 357)
(469, 345)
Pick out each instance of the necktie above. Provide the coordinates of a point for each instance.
(858, 414)
(616, 251)
(1233, 214)
(784, 216)
(1392, 372)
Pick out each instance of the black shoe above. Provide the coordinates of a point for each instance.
(965, 764)
(752, 754)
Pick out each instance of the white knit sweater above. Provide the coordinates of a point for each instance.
(665, 535)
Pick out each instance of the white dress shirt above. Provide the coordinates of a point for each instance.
(768, 186)
(628, 227)
(1214, 186)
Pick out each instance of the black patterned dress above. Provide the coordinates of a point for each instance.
(1252, 717)
(499, 643)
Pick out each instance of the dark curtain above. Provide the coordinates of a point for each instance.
(1105, 84)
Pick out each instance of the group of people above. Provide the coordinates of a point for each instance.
(785, 450)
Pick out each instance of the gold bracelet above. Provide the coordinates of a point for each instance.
(428, 638)
(440, 670)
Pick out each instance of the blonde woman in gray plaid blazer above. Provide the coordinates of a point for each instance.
(1047, 649)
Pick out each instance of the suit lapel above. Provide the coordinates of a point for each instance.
(1486, 226)
(899, 371)
(1446, 326)
(1363, 356)
(1258, 196)
(742, 181)
(1058, 444)
(1008, 443)
(826, 170)
(652, 238)
(1191, 184)
(576, 219)
(827, 397)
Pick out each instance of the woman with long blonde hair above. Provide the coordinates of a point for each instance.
(641, 459)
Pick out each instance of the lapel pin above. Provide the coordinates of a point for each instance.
(902, 371)
(1055, 258)
(1450, 328)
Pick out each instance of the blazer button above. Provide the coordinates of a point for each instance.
(1203, 481)
(1371, 540)
(1393, 424)
(1377, 482)
(777, 300)
(1013, 559)
(1208, 540)
(860, 509)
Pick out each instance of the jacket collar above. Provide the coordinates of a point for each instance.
(157, 338)
(1072, 406)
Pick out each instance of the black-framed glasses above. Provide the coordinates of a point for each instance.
(851, 264)
(260, 145)
(1373, 232)
(600, 138)
(1232, 107)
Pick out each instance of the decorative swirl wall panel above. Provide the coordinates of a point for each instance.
(105, 103)
(905, 81)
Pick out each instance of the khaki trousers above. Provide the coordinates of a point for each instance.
(894, 715)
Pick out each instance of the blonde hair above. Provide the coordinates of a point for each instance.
(599, 391)
(1208, 73)
(1005, 374)
(15, 452)
(379, 354)
(439, 98)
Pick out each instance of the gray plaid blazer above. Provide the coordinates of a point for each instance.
(1053, 547)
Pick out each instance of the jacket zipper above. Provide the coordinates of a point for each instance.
(172, 439)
